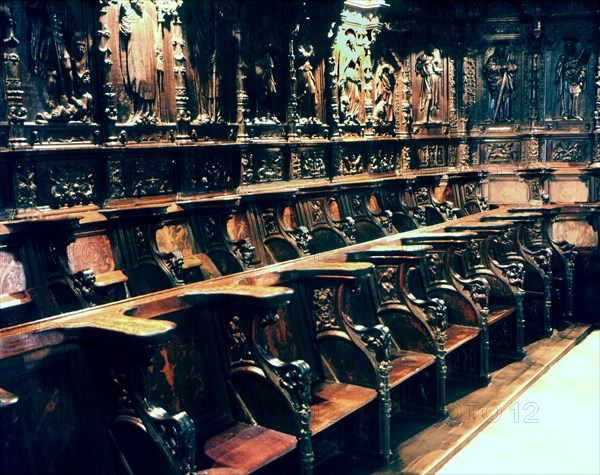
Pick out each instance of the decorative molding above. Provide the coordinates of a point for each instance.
(568, 151)
(323, 307)
(71, 185)
(501, 152)
(26, 189)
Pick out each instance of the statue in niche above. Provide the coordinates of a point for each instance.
(55, 54)
(143, 66)
(307, 87)
(570, 77)
(429, 67)
(385, 82)
(266, 87)
(499, 72)
(350, 80)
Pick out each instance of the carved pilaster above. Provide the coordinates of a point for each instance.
(108, 89)
(25, 187)
(165, 11)
(241, 76)
(16, 111)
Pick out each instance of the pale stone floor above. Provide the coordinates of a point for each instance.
(552, 428)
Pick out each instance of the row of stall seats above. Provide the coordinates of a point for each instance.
(278, 367)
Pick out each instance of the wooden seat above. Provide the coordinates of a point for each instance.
(246, 448)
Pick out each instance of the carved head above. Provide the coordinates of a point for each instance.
(138, 5)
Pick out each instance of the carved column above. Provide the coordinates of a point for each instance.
(242, 95)
(16, 112)
(108, 90)
(596, 133)
(292, 105)
(181, 94)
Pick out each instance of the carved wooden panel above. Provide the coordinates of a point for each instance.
(569, 151)
(501, 152)
(91, 252)
(175, 237)
(12, 274)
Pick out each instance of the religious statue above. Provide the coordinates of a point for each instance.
(385, 83)
(143, 63)
(307, 87)
(429, 67)
(350, 82)
(55, 54)
(499, 72)
(571, 73)
(266, 87)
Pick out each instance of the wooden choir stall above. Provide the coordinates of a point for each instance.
(251, 236)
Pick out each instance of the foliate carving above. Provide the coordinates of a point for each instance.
(245, 250)
(269, 220)
(563, 151)
(352, 164)
(26, 191)
(239, 348)
(407, 112)
(452, 111)
(422, 196)
(296, 381)
(469, 81)
(247, 168)
(179, 435)
(379, 341)
(313, 163)
(302, 238)
(152, 177)
(71, 185)
(501, 152)
(387, 279)
(117, 183)
(479, 290)
(214, 175)
(463, 155)
(211, 227)
(533, 149)
(141, 243)
(348, 228)
(357, 205)
(436, 314)
(447, 208)
(382, 161)
(324, 312)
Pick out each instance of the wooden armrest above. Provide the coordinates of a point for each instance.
(389, 254)
(239, 295)
(322, 269)
(480, 226)
(514, 218)
(438, 237)
(8, 405)
(14, 300)
(110, 278)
